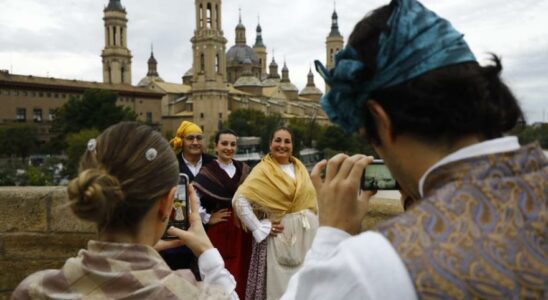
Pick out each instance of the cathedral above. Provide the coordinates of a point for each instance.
(219, 81)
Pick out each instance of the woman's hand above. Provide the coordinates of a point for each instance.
(195, 237)
(221, 215)
(276, 229)
(339, 203)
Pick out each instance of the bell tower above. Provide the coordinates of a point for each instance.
(333, 43)
(209, 86)
(116, 56)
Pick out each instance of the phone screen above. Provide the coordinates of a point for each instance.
(377, 177)
(179, 212)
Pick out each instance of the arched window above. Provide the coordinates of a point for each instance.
(202, 62)
(209, 21)
(201, 16)
(217, 68)
(114, 35)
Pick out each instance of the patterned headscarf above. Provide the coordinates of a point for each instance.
(185, 128)
(416, 41)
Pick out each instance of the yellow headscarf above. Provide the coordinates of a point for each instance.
(270, 190)
(185, 128)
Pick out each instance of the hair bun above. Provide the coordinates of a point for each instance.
(176, 143)
(94, 195)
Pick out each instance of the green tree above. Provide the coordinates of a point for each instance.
(336, 140)
(272, 122)
(246, 122)
(18, 139)
(533, 133)
(76, 145)
(96, 109)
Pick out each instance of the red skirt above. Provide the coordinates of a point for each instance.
(234, 244)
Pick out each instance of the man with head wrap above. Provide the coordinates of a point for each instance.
(410, 85)
(188, 146)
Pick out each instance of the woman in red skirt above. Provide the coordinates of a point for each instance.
(216, 184)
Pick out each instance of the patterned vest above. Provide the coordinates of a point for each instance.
(480, 232)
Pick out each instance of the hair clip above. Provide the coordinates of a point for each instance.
(92, 144)
(151, 154)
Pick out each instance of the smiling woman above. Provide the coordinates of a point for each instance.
(277, 203)
(216, 184)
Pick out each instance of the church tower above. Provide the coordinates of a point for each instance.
(260, 50)
(333, 43)
(209, 91)
(116, 56)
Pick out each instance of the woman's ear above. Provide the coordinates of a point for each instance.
(166, 203)
(382, 121)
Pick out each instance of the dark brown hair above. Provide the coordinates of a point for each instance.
(442, 104)
(118, 184)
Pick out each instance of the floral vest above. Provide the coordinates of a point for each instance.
(480, 231)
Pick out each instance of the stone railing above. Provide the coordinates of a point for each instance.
(38, 231)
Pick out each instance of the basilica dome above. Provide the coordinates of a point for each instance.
(237, 54)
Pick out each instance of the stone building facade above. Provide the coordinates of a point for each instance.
(219, 81)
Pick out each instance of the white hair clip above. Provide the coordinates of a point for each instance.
(92, 144)
(151, 154)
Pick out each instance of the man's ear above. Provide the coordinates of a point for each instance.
(382, 121)
(166, 203)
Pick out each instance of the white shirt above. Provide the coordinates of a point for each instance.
(366, 266)
(194, 168)
(213, 271)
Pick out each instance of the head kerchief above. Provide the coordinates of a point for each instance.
(185, 128)
(415, 42)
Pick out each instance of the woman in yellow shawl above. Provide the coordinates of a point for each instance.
(277, 203)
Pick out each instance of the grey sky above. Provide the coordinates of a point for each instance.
(64, 38)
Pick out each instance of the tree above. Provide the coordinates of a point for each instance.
(96, 109)
(335, 140)
(18, 139)
(246, 122)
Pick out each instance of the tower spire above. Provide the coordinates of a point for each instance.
(334, 22)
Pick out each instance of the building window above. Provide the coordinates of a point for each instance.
(203, 128)
(217, 63)
(201, 115)
(209, 15)
(201, 16)
(202, 62)
(37, 115)
(220, 115)
(51, 115)
(21, 115)
(149, 117)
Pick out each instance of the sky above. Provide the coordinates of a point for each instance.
(64, 38)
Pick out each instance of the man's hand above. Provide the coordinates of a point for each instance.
(195, 237)
(221, 215)
(340, 204)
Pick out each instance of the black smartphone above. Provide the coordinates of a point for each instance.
(179, 212)
(377, 177)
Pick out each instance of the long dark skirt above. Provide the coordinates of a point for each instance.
(256, 278)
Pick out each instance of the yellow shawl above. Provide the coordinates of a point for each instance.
(270, 190)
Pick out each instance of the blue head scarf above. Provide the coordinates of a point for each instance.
(416, 42)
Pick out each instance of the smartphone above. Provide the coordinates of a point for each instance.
(179, 212)
(377, 177)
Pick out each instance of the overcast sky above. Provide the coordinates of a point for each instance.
(64, 38)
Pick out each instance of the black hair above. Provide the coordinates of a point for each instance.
(224, 131)
(442, 104)
(279, 129)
